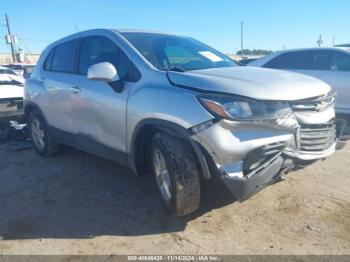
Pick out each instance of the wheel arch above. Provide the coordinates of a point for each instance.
(141, 140)
(30, 107)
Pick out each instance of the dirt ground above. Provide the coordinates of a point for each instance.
(77, 203)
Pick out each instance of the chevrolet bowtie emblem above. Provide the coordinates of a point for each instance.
(321, 106)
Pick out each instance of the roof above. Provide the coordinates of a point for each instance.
(141, 31)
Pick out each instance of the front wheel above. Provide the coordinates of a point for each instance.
(176, 173)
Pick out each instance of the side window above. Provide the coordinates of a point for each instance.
(97, 49)
(341, 61)
(64, 56)
(322, 60)
(48, 62)
(292, 60)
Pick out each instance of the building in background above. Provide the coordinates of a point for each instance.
(6, 58)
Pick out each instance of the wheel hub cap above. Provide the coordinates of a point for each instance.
(38, 134)
(162, 175)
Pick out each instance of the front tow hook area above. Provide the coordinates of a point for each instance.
(243, 188)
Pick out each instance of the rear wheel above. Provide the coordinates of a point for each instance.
(43, 140)
(176, 174)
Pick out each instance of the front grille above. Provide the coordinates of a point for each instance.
(318, 104)
(317, 137)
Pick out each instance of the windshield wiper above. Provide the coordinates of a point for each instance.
(175, 69)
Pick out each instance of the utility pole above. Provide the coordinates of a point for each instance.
(242, 23)
(320, 41)
(11, 39)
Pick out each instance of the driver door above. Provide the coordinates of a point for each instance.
(98, 107)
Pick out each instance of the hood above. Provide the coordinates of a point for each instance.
(257, 83)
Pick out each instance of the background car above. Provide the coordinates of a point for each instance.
(7, 74)
(331, 65)
(11, 98)
(17, 67)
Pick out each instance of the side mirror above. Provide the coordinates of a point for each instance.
(104, 71)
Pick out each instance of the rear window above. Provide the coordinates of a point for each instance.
(64, 57)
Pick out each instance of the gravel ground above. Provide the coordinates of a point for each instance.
(77, 203)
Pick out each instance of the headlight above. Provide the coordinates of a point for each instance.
(241, 108)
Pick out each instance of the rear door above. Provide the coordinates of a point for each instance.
(57, 77)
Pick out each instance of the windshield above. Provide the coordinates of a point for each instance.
(167, 52)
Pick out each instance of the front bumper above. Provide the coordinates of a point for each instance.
(249, 156)
(244, 187)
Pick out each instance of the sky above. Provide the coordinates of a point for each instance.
(268, 24)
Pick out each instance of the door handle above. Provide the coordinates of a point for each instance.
(76, 89)
(42, 80)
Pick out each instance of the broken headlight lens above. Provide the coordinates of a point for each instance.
(241, 108)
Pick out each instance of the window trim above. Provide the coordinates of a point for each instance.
(52, 51)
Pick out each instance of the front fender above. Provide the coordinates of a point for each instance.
(167, 103)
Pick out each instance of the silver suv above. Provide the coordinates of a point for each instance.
(177, 107)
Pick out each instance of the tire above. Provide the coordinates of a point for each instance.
(183, 179)
(47, 147)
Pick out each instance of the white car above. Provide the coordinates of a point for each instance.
(332, 65)
(7, 74)
(17, 67)
(11, 95)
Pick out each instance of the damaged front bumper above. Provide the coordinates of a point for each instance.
(250, 156)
